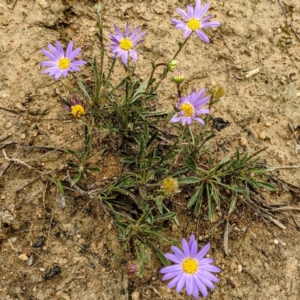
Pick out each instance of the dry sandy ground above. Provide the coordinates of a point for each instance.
(254, 35)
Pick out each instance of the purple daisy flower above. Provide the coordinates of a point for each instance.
(191, 269)
(61, 63)
(124, 45)
(190, 108)
(76, 107)
(195, 20)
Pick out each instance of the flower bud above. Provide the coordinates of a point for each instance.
(172, 65)
(178, 76)
(217, 91)
(170, 186)
(97, 8)
(131, 268)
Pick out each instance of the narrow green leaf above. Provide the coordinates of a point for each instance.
(188, 180)
(94, 169)
(266, 185)
(166, 216)
(60, 187)
(195, 196)
(128, 160)
(233, 204)
(76, 179)
(152, 139)
(190, 163)
(161, 256)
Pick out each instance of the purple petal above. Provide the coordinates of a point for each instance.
(174, 281)
(202, 101)
(173, 258)
(125, 57)
(127, 30)
(78, 63)
(138, 36)
(203, 251)
(185, 247)
(182, 26)
(201, 286)
(203, 11)
(210, 24)
(175, 119)
(195, 289)
(54, 50)
(48, 64)
(190, 11)
(60, 49)
(211, 268)
(133, 54)
(69, 49)
(199, 120)
(175, 21)
(178, 252)
(118, 31)
(183, 13)
(193, 246)
(173, 268)
(202, 36)
(74, 54)
(181, 283)
(187, 33)
(49, 55)
(203, 111)
(207, 282)
(206, 18)
(189, 121)
(197, 7)
(207, 260)
(189, 285)
(208, 276)
(171, 275)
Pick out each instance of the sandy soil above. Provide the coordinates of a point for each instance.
(81, 239)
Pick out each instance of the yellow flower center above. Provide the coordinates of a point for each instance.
(126, 44)
(64, 63)
(190, 266)
(77, 110)
(188, 109)
(193, 24)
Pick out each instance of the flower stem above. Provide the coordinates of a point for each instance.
(152, 73)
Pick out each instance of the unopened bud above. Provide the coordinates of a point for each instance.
(178, 76)
(97, 8)
(170, 185)
(217, 91)
(172, 65)
(131, 268)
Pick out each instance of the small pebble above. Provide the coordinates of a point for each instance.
(23, 256)
(43, 4)
(276, 242)
(8, 125)
(268, 124)
(243, 142)
(262, 135)
(23, 136)
(135, 295)
(230, 13)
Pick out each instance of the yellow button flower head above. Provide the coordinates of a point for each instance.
(195, 20)
(170, 185)
(191, 269)
(75, 107)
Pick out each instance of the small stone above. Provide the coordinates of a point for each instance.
(266, 266)
(135, 295)
(268, 124)
(276, 242)
(262, 135)
(230, 13)
(60, 129)
(280, 156)
(23, 256)
(8, 125)
(297, 149)
(42, 269)
(278, 30)
(23, 136)
(240, 268)
(43, 4)
(243, 142)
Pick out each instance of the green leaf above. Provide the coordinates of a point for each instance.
(76, 179)
(210, 209)
(195, 196)
(161, 256)
(188, 180)
(152, 139)
(94, 169)
(128, 160)
(266, 185)
(60, 187)
(233, 204)
(69, 151)
(166, 216)
(190, 163)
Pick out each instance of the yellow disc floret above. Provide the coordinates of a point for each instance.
(190, 266)
(193, 24)
(188, 109)
(64, 63)
(77, 110)
(170, 185)
(126, 44)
